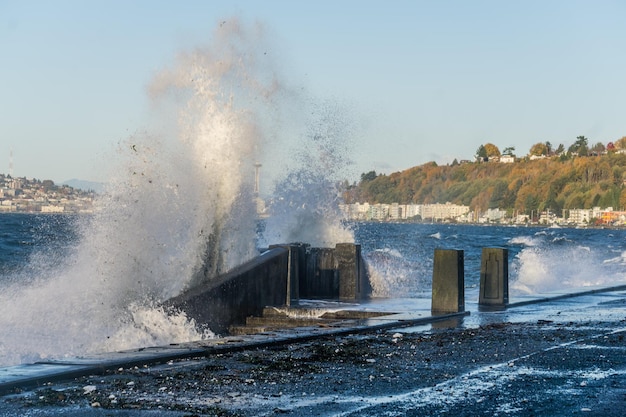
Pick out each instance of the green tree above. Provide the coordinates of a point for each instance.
(499, 194)
(481, 153)
(48, 185)
(548, 147)
(510, 151)
(368, 176)
(531, 203)
(580, 147)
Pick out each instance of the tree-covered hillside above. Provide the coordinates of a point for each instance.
(550, 183)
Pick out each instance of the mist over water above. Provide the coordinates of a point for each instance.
(179, 207)
(305, 204)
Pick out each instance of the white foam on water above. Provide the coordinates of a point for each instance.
(179, 206)
(523, 241)
(555, 266)
(390, 274)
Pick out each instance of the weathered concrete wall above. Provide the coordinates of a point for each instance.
(279, 277)
(296, 269)
(337, 273)
(448, 288)
(242, 292)
(321, 279)
(354, 283)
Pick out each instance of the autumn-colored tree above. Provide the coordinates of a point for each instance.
(539, 149)
(610, 147)
(554, 184)
(621, 143)
(622, 200)
(492, 150)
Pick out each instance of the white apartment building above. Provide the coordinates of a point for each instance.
(579, 216)
(492, 215)
(438, 212)
(395, 211)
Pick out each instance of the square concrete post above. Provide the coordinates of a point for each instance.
(295, 268)
(448, 282)
(321, 279)
(494, 278)
(348, 257)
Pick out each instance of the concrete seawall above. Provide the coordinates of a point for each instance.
(280, 276)
(285, 273)
(242, 292)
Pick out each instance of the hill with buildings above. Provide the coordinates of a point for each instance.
(557, 184)
(36, 196)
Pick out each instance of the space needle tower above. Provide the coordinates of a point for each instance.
(260, 204)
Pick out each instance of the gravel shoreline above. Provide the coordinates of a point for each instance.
(539, 368)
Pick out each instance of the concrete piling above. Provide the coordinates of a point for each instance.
(295, 270)
(494, 278)
(448, 287)
(321, 279)
(335, 273)
(351, 281)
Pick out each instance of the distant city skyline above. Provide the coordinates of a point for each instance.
(422, 81)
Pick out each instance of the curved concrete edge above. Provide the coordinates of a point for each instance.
(28, 376)
(556, 297)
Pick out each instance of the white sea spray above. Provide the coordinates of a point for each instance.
(180, 204)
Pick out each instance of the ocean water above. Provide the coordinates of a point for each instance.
(400, 256)
(48, 309)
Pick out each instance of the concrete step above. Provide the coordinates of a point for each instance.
(276, 318)
(286, 322)
(354, 314)
(246, 330)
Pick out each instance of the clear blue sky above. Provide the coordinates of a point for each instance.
(431, 79)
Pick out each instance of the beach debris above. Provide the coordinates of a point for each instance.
(88, 389)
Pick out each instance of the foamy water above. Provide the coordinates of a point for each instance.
(180, 208)
(399, 256)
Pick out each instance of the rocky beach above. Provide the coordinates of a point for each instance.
(560, 358)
